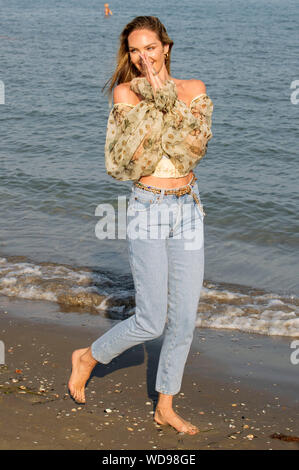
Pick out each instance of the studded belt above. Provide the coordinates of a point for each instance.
(177, 192)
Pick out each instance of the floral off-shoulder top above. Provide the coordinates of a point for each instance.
(139, 137)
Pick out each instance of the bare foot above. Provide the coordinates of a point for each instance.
(173, 419)
(82, 365)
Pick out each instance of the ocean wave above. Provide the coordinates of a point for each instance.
(221, 306)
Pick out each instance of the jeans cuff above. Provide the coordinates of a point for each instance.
(161, 390)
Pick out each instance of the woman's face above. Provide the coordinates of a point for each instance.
(146, 41)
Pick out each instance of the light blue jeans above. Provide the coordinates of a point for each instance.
(166, 254)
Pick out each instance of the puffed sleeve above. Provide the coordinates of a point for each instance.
(187, 132)
(163, 99)
(132, 146)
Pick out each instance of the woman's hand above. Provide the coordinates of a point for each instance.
(149, 71)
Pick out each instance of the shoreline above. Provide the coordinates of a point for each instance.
(235, 388)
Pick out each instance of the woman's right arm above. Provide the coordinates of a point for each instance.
(133, 133)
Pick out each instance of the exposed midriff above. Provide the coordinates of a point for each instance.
(166, 182)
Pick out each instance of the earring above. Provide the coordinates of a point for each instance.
(166, 55)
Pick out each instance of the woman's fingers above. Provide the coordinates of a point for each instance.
(150, 66)
(148, 72)
(144, 65)
(154, 79)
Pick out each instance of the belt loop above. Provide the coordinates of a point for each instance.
(194, 195)
(161, 195)
(191, 190)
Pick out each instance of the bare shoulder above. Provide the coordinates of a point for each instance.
(196, 87)
(122, 93)
(189, 89)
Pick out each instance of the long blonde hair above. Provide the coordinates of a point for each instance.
(125, 70)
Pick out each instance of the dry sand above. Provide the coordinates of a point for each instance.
(227, 390)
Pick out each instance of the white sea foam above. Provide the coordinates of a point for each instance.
(220, 306)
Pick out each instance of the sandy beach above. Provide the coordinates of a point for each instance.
(235, 389)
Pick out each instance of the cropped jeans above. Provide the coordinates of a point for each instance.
(166, 254)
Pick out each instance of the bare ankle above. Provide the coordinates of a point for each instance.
(164, 409)
(88, 358)
(165, 402)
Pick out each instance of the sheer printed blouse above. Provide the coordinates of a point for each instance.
(159, 130)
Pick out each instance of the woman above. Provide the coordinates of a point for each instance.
(157, 132)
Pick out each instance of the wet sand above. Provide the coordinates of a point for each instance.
(235, 388)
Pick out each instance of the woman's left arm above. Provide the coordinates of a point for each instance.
(187, 131)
